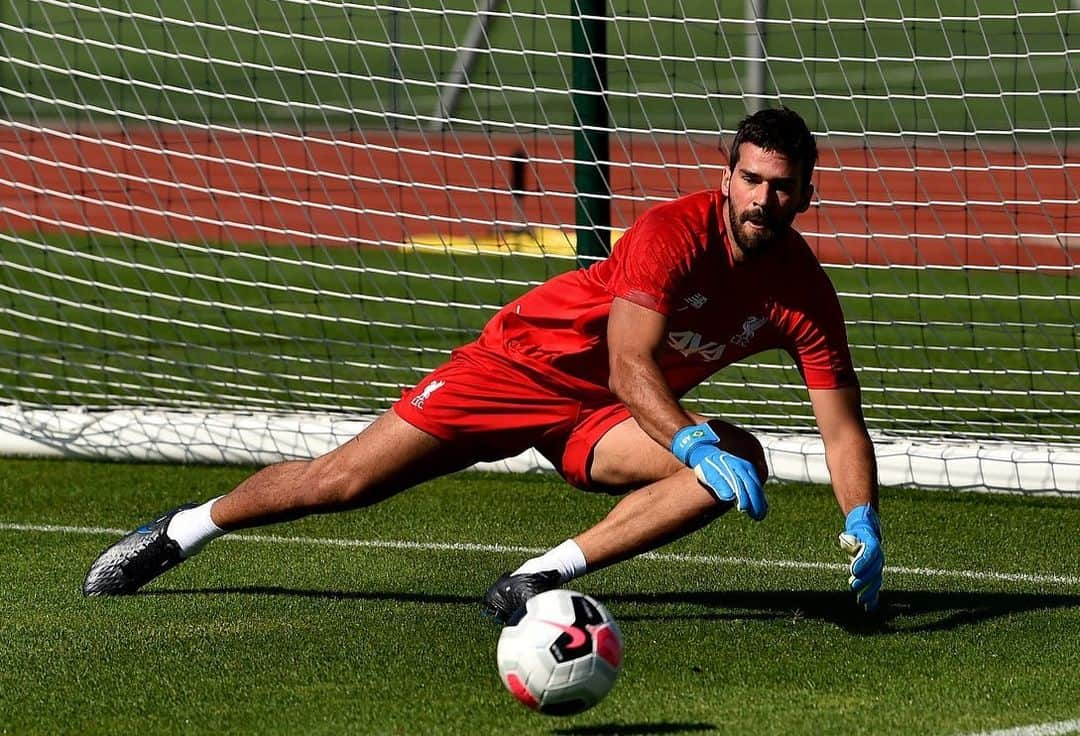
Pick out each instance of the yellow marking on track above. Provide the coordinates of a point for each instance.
(531, 241)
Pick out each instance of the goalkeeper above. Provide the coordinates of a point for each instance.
(588, 368)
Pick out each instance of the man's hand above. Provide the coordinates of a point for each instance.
(861, 540)
(731, 479)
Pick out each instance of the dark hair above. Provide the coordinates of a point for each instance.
(781, 130)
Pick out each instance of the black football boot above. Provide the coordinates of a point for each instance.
(136, 559)
(509, 593)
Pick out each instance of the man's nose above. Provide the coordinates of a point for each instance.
(764, 195)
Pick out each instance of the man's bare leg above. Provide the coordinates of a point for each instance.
(648, 518)
(387, 457)
(666, 502)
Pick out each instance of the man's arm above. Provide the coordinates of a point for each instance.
(849, 453)
(635, 335)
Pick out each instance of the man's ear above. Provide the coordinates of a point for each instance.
(807, 198)
(725, 183)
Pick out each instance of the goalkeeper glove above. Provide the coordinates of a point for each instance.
(861, 540)
(730, 479)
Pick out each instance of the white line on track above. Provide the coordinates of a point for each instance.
(892, 570)
(1058, 728)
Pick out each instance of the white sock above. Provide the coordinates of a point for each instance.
(566, 559)
(193, 528)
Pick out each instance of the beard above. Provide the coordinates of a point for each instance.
(754, 240)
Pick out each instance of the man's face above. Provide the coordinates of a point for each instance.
(764, 193)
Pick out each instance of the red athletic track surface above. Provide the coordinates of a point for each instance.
(875, 205)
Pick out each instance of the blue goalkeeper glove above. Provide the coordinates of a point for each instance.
(861, 540)
(731, 479)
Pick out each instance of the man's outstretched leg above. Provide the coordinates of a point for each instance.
(389, 456)
(668, 503)
(644, 520)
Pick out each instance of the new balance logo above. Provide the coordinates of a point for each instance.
(697, 301)
(418, 401)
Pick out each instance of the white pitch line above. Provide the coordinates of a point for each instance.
(981, 575)
(1058, 728)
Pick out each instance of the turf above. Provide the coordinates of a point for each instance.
(276, 637)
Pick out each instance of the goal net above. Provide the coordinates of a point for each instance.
(236, 231)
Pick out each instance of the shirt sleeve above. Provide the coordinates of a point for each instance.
(652, 260)
(818, 338)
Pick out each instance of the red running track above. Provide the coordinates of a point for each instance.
(875, 205)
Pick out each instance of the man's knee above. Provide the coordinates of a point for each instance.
(326, 485)
(389, 456)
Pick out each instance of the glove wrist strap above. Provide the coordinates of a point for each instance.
(864, 515)
(688, 439)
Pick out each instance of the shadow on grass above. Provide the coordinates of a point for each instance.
(335, 595)
(629, 729)
(902, 611)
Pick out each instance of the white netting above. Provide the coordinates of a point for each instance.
(301, 207)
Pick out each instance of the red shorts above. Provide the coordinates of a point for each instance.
(495, 409)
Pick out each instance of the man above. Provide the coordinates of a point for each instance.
(588, 368)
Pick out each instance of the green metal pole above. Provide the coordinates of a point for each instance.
(591, 147)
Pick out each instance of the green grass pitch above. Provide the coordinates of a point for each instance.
(297, 636)
(334, 629)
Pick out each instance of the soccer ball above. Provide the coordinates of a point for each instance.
(560, 653)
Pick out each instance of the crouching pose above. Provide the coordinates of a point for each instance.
(588, 368)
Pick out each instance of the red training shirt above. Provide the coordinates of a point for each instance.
(676, 260)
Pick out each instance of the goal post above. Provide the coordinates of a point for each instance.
(235, 232)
